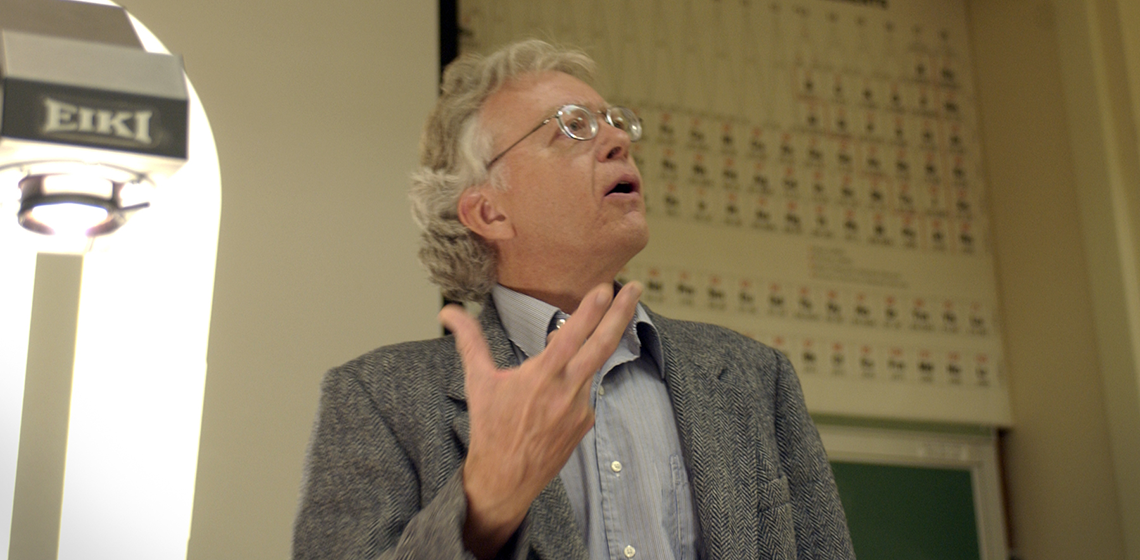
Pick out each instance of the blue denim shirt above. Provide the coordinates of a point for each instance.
(627, 480)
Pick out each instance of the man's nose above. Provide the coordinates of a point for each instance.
(615, 142)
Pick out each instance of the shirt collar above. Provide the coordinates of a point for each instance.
(528, 320)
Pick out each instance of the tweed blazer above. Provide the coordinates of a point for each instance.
(383, 474)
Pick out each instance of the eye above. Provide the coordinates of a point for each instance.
(577, 122)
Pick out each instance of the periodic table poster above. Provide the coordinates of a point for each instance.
(812, 173)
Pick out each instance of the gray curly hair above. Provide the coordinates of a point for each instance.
(454, 152)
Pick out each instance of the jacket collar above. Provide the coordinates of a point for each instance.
(713, 417)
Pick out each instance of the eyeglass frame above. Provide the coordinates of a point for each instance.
(594, 128)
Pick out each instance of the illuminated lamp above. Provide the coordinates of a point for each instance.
(88, 129)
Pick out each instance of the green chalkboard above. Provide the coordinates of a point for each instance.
(908, 513)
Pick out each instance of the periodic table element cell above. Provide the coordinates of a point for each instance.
(666, 128)
(853, 224)
(668, 164)
(791, 182)
(937, 235)
(949, 104)
(902, 164)
(842, 154)
(849, 189)
(871, 157)
(729, 173)
(810, 358)
(909, 230)
(984, 374)
(794, 217)
(950, 319)
(966, 238)
(698, 168)
(706, 203)
(696, 133)
(759, 143)
(776, 303)
(905, 199)
(954, 369)
(954, 138)
(931, 170)
(763, 214)
(899, 364)
(824, 221)
(655, 286)
(761, 180)
(684, 290)
(869, 359)
(732, 208)
(819, 184)
(747, 297)
(715, 293)
(934, 199)
(808, 304)
(815, 147)
(788, 148)
(979, 321)
(872, 124)
(812, 115)
(922, 99)
(883, 230)
(892, 312)
(960, 169)
(839, 359)
(878, 191)
(671, 199)
(728, 139)
(927, 132)
(865, 310)
(921, 315)
(836, 306)
(927, 367)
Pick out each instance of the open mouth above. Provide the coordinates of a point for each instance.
(622, 188)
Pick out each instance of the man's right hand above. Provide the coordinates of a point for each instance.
(526, 421)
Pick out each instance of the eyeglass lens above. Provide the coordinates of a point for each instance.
(581, 124)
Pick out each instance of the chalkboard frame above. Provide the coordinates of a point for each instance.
(976, 454)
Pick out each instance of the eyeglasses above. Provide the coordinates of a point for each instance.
(580, 123)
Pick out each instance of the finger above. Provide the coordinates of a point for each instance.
(577, 328)
(469, 340)
(607, 335)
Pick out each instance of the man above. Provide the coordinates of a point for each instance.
(567, 422)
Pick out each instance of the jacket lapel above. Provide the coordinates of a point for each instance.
(714, 427)
(545, 526)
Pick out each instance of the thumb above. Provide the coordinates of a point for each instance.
(469, 340)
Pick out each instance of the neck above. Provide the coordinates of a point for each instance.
(562, 289)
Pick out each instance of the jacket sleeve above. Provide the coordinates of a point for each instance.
(361, 494)
(820, 524)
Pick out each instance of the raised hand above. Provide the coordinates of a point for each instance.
(526, 421)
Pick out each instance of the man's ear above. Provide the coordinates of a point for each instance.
(479, 211)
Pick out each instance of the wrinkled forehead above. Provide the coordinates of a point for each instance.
(527, 99)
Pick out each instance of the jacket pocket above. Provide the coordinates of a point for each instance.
(777, 530)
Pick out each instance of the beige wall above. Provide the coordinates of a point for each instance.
(316, 109)
(1050, 81)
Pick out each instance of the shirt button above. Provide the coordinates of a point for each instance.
(601, 391)
(616, 466)
(558, 323)
(629, 551)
